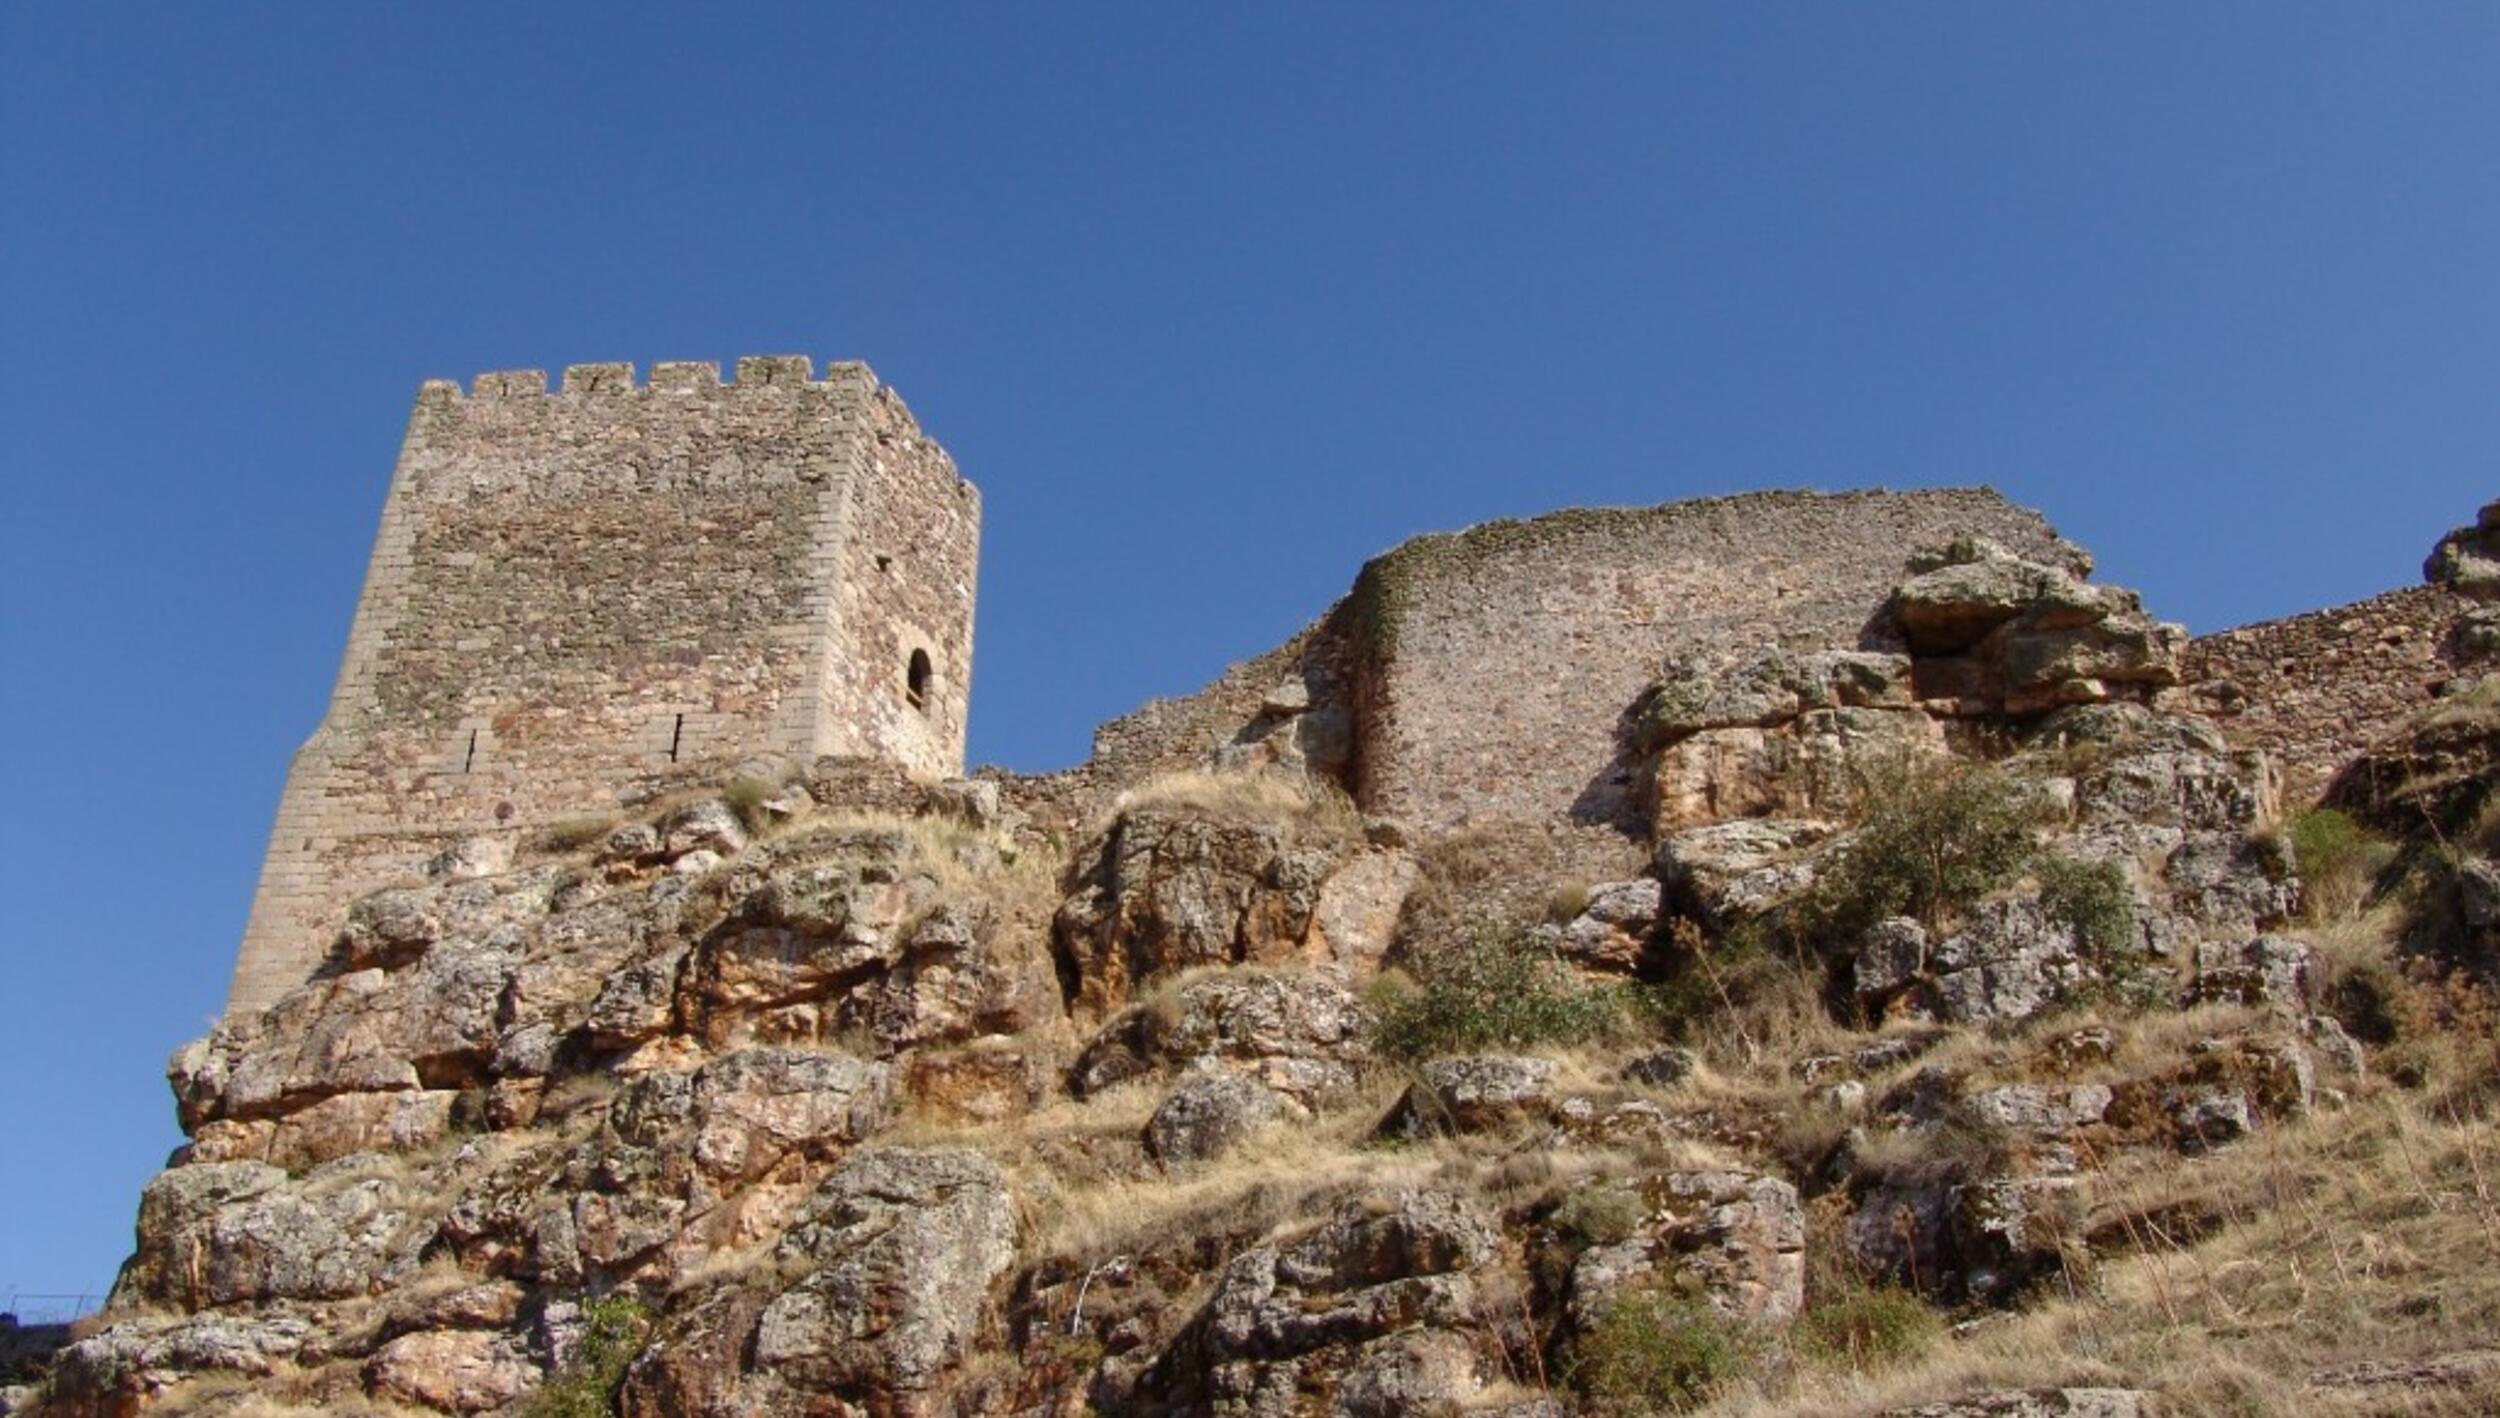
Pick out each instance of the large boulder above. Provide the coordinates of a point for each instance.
(243, 1232)
(1368, 1312)
(1167, 889)
(2006, 960)
(1611, 933)
(900, 1248)
(452, 1370)
(1992, 632)
(1773, 733)
(1296, 1032)
(1481, 1094)
(117, 1372)
(1209, 1114)
(1738, 1239)
(1733, 871)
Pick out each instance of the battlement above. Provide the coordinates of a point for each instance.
(577, 587)
(752, 372)
(767, 375)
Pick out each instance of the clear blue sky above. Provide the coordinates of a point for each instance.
(1213, 302)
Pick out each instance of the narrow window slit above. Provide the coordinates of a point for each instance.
(916, 680)
(470, 761)
(676, 736)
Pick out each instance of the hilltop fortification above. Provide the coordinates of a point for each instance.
(1772, 926)
(582, 591)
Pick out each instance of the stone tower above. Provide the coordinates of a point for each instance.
(576, 594)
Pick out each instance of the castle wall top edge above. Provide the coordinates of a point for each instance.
(1499, 532)
(749, 372)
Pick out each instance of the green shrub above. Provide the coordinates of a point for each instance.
(1937, 835)
(1490, 989)
(1651, 1352)
(612, 1334)
(2340, 862)
(1600, 1215)
(2094, 900)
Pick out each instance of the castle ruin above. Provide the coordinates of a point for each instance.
(582, 590)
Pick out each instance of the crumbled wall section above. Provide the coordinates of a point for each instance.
(1493, 666)
(575, 591)
(2313, 691)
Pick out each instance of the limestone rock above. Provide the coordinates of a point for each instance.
(1991, 630)
(1389, 1264)
(1662, 1068)
(2467, 560)
(1466, 1095)
(2007, 960)
(114, 1373)
(1611, 933)
(451, 1371)
(1732, 871)
(2231, 1086)
(1357, 915)
(2232, 885)
(1739, 1238)
(706, 826)
(1208, 1114)
(1972, 1237)
(1171, 889)
(2273, 971)
(1297, 1032)
(903, 1246)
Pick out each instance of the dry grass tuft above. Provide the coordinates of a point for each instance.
(1310, 808)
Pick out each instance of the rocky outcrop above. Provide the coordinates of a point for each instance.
(2467, 560)
(1298, 1033)
(1209, 1114)
(1737, 1240)
(1369, 1316)
(1017, 1099)
(1475, 1095)
(1169, 889)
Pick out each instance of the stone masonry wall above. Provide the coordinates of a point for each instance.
(576, 593)
(2314, 690)
(1494, 666)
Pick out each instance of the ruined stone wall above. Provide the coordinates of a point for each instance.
(1493, 667)
(2315, 690)
(575, 593)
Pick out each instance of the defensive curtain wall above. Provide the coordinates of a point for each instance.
(1492, 667)
(578, 591)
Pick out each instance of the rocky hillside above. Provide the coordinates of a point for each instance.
(1972, 1032)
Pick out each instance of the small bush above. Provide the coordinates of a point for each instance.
(573, 834)
(1489, 990)
(1569, 899)
(746, 797)
(1652, 1351)
(1599, 1215)
(612, 1334)
(1937, 836)
(2094, 900)
(2340, 863)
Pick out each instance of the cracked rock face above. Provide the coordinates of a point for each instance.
(1167, 890)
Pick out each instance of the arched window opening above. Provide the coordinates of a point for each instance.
(916, 679)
